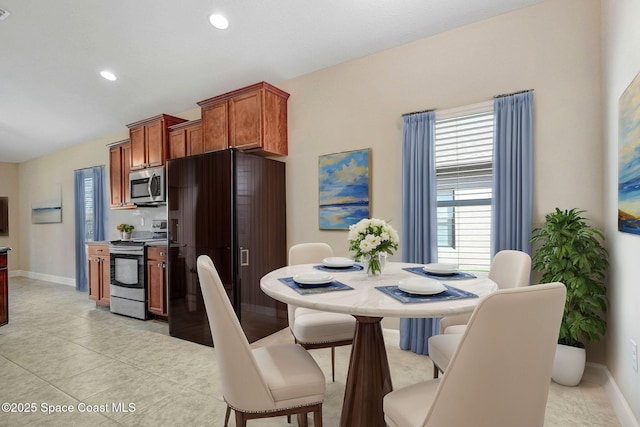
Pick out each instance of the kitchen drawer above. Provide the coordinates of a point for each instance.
(157, 253)
(98, 250)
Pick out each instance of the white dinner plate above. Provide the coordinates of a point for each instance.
(337, 262)
(313, 278)
(421, 286)
(441, 268)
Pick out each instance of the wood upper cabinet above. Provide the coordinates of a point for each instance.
(157, 280)
(99, 273)
(185, 139)
(252, 119)
(119, 168)
(149, 140)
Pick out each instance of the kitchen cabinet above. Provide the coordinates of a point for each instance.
(4, 288)
(149, 140)
(119, 168)
(252, 119)
(157, 280)
(185, 139)
(99, 273)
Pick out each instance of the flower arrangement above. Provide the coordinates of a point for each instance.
(369, 238)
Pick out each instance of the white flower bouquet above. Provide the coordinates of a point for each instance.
(369, 238)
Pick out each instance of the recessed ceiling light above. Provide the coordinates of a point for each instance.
(219, 21)
(108, 75)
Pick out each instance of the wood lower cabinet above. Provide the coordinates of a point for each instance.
(157, 280)
(252, 119)
(99, 273)
(185, 139)
(4, 289)
(149, 140)
(119, 168)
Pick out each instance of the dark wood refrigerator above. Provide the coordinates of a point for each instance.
(231, 206)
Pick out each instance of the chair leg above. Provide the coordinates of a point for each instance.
(226, 416)
(333, 364)
(241, 421)
(317, 417)
(436, 371)
(288, 419)
(302, 420)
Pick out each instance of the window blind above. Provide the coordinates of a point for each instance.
(463, 159)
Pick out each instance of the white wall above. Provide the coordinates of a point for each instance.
(621, 63)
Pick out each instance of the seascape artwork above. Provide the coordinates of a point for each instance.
(344, 189)
(629, 159)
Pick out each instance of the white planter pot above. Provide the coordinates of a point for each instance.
(568, 365)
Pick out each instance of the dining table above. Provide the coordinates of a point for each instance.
(369, 299)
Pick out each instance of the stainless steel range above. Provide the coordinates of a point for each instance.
(128, 273)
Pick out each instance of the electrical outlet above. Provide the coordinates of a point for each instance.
(634, 355)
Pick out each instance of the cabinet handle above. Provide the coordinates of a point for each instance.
(244, 257)
(162, 253)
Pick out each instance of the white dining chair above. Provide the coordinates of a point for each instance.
(313, 328)
(509, 269)
(499, 373)
(263, 382)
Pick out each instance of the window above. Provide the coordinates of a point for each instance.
(463, 157)
(88, 205)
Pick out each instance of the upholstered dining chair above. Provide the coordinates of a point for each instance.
(313, 328)
(509, 269)
(262, 382)
(500, 372)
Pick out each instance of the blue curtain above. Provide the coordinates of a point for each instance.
(100, 210)
(512, 209)
(81, 256)
(419, 243)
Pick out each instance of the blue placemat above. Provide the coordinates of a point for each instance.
(354, 267)
(314, 289)
(455, 276)
(407, 298)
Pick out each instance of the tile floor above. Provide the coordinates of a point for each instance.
(59, 352)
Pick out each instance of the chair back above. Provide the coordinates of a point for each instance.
(499, 374)
(510, 269)
(306, 253)
(243, 385)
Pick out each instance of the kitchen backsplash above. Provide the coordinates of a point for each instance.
(140, 218)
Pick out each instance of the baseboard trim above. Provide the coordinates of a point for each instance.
(44, 277)
(599, 374)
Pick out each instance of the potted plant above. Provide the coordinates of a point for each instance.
(569, 250)
(126, 230)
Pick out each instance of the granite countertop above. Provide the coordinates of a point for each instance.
(4, 249)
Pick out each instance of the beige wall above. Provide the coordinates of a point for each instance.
(9, 188)
(552, 47)
(621, 63)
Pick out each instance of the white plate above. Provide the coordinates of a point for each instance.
(314, 278)
(441, 268)
(421, 286)
(337, 262)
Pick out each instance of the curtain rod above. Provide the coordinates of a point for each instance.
(90, 167)
(514, 93)
(417, 112)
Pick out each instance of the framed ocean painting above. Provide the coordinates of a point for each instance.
(345, 189)
(629, 159)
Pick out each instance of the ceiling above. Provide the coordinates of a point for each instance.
(168, 57)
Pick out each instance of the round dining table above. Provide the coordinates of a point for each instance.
(369, 378)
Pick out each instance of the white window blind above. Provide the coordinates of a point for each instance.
(463, 157)
(88, 206)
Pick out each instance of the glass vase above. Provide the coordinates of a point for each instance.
(374, 263)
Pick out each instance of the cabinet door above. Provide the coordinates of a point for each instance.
(105, 281)
(138, 149)
(126, 168)
(245, 120)
(155, 144)
(177, 144)
(4, 296)
(194, 140)
(95, 277)
(156, 281)
(215, 133)
(115, 176)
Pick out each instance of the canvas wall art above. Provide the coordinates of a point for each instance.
(629, 159)
(344, 181)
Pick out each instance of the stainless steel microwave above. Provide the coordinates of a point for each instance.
(147, 186)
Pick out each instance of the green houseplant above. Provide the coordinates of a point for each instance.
(568, 250)
(126, 230)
